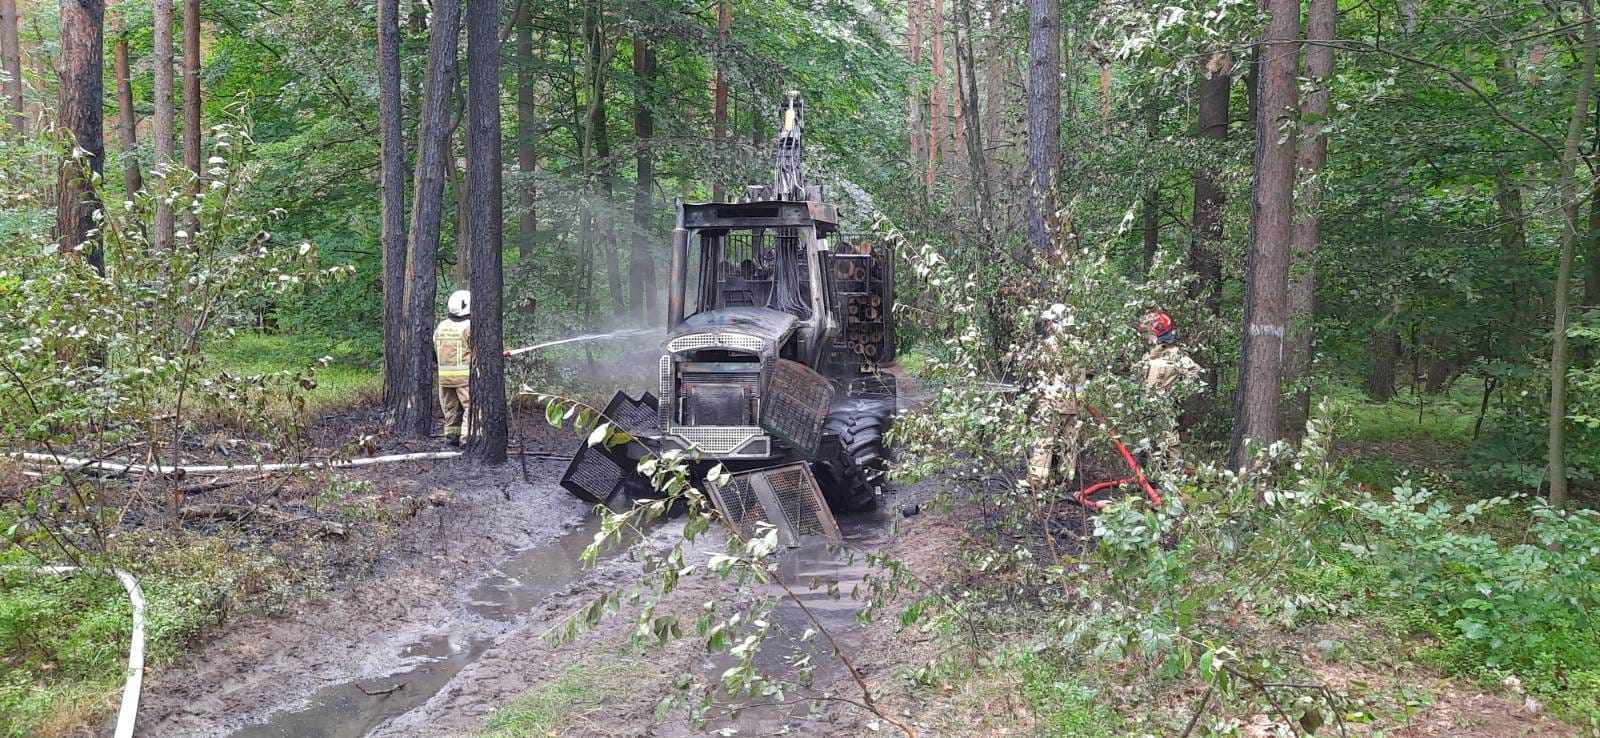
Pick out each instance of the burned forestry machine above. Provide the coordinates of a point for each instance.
(778, 335)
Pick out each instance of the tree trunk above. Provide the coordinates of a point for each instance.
(392, 180)
(191, 89)
(967, 78)
(1591, 280)
(161, 99)
(995, 77)
(527, 143)
(1044, 120)
(461, 271)
(1385, 352)
(719, 100)
(914, 141)
(1568, 187)
(1321, 26)
(79, 105)
(415, 418)
(488, 442)
(597, 148)
(127, 118)
(641, 266)
(11, 65)
(1205, 245)
(936, 112)
(1272, 230)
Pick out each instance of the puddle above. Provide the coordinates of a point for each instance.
(354, 708)
(800, 569)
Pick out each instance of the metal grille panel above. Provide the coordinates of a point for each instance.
(715, 439)
(596, 472)
(785, 496)
(732, 341)
(794, 403)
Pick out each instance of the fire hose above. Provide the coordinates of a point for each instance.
(130, 689)
(1082, 496)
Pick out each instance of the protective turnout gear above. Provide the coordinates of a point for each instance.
(452, 343)
(459, 304)
(1165, 364)
(1055, 451)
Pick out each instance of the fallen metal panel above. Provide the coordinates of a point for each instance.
(787, 497)
(596, 473)
(795, 400)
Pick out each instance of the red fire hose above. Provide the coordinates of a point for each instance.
(1082, 495)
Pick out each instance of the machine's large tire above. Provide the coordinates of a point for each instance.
(854, 464)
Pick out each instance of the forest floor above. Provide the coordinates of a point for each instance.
(430, 617)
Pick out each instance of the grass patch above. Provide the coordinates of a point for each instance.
(345, 381)
(64, 638)
(1065, 708)
(557, 704)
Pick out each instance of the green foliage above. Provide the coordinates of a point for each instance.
(563, 701)
(1521, 605)
(1065, 707)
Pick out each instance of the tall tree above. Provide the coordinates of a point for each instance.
(1321, 26)
(11, 64)
(415, 412)
(527, 139)
(640, 265)
(719, 95)
(597, 146)
(127, 117)
(79, 105)
(914, 140)
(392, 180)
(488, 442)
(1205, 244)
(977, 158)
(1272, 230)
(1567, 186)
(936, 112)
(1044, 118)
(191, 89)
(161, 98)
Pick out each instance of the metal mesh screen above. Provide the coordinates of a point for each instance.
(785, 496)
(596, 472)
(794, 403)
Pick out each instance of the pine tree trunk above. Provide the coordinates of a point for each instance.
(1568, 187)
(1044, 120)
(936, 112)
(415, 419)
(1272, 231)
(527, 143)
(165, 125)
(488, 442)
(995, 76)
(191, 90)
(977, 163)
(127, 117)
(79, 106)
(914, 140)
(11, 64)
(392, 180)
(1205, 246)
(1385, 352)
(1321, 25)
(719, 100)
(641, 265)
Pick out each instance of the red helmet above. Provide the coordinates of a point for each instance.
(1156, 323)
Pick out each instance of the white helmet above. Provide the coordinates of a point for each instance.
(460, 303)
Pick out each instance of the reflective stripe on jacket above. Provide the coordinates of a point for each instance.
(452, 343)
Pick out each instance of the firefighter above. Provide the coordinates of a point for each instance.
(452, 343)
(1166, 362)
(1164, 365)
(1054, 454)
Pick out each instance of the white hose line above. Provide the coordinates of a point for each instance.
(130, 689)
(122, 467)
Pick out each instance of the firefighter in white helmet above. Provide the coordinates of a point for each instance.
(452, 343)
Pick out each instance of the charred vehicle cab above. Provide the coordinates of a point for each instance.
(778, 332)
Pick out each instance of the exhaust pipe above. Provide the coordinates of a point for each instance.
(679, 279)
